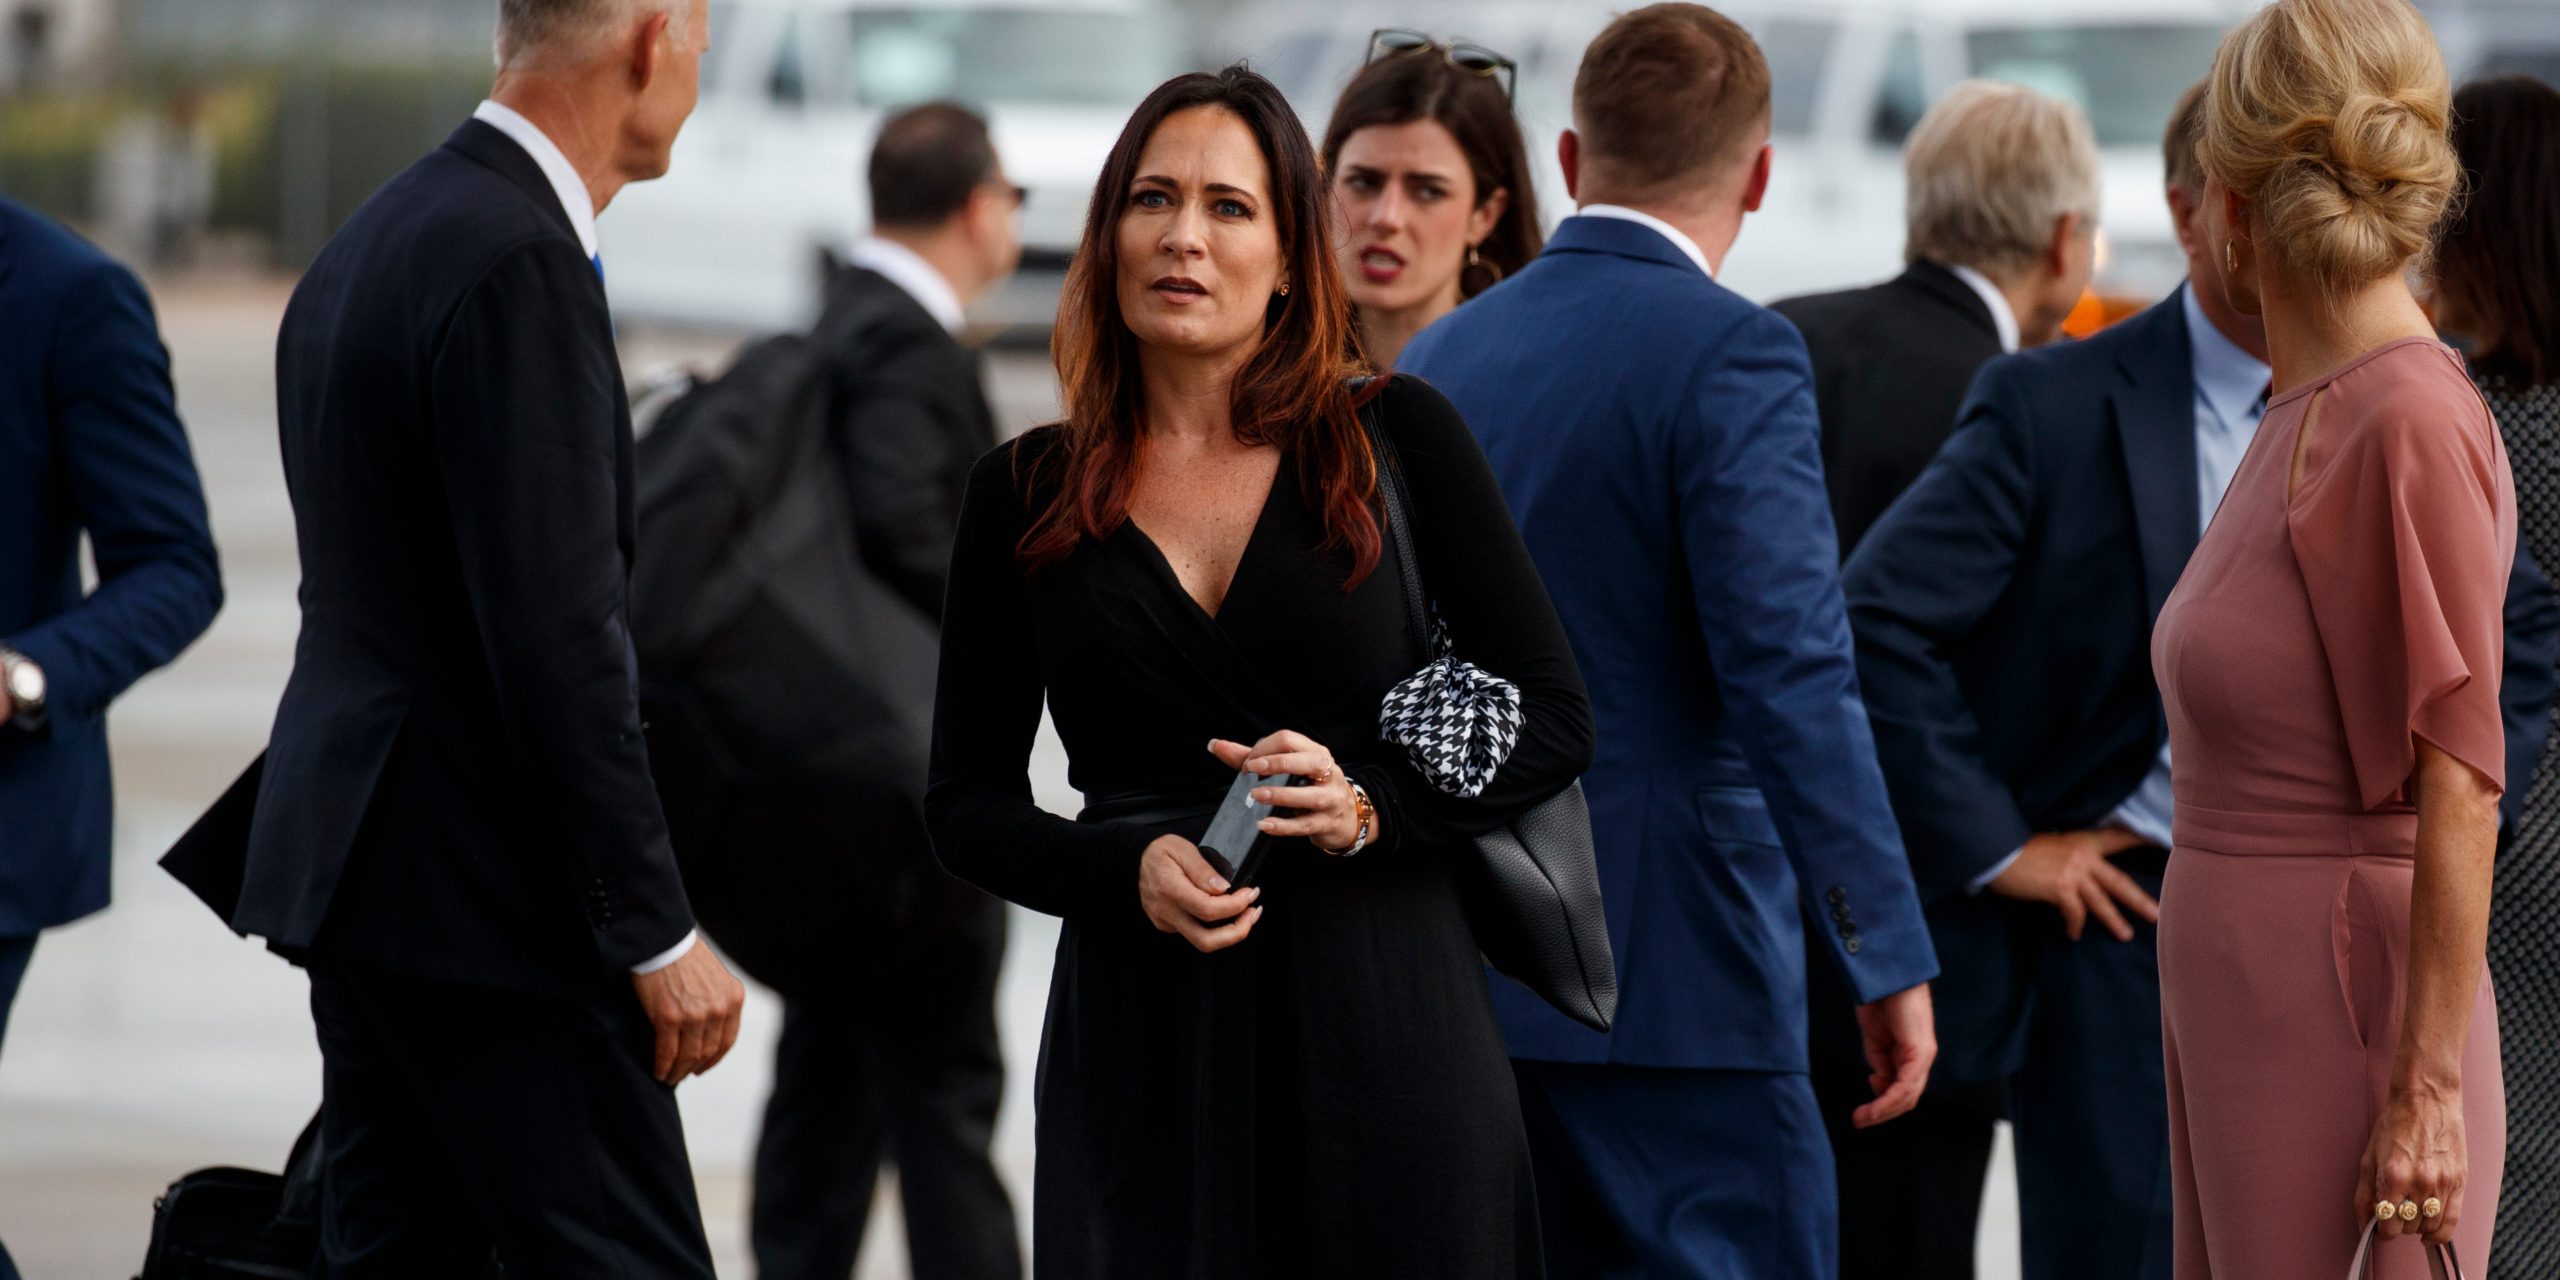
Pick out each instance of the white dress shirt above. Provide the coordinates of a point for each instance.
(2230, 397)
(575, 199)
(580, 205)
(2004, 320)
(1679, 239)
(908, 270)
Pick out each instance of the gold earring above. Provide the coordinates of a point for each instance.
(1472, 259)
(2231, 256)
(1284, 289)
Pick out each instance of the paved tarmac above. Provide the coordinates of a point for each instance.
(149, 1040)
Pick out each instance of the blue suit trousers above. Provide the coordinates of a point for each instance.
(1667, 1173)
(14, 954)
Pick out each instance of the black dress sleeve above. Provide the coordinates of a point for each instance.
(987, 699)
(1478, 572)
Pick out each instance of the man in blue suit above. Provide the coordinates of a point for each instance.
(1657, 438)
(90, 444)
(2003, 609)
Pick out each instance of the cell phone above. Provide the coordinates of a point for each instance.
(1235, 842)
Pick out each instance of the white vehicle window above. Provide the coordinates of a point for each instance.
(2541, 64)
(991, 55)
(723, 22)
(1798, 51)
(788, 82)
(2127, 77)
(1904, 96)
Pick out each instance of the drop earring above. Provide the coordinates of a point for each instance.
(2231, 256)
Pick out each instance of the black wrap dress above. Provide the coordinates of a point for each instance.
(1329, 1097)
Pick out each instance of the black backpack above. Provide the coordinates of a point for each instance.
(787, 688)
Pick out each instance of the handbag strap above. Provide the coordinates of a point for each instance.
(1399, 513)
(2442, 1261)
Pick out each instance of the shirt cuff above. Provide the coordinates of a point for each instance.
(668, 956)
(1983, 881)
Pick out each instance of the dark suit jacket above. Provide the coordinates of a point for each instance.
(457, 785)
(90, 443)
(2003, 608)
(1656, 437)
(1890, 366)
(912, 418)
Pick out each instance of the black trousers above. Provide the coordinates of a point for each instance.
(461, 1122)
(1911, 1188)
(902, 1065)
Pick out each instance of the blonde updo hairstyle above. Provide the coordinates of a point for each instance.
(2329, 117)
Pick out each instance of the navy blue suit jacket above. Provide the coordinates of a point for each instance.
(2003, 608)
(1656, 436)
(90, 443)
(456, 785)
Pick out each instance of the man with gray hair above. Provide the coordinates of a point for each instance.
(2001, 220)
(2002, 212)
(454, 828)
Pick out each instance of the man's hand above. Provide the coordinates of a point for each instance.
(1900, 1033)
(694, 1004)
(2069, 870)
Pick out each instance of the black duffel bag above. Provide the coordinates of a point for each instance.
(788, 689)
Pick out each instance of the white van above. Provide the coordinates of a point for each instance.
(1850, 78)
(770, 171)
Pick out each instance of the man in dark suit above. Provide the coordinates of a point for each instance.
(1656, 436)
(2001, 234)
(454, 829)
(2003, 609)
(903, 1067)
(90, 444)
(2001, 217)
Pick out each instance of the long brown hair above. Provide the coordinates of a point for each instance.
(1401, 89)
(2501, 254)
(1292, 393)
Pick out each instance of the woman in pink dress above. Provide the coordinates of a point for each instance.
(2330, 665)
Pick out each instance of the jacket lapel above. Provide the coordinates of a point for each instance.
(2154, 411)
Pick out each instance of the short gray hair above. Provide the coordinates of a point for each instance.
(531, 31)
(1989, 171)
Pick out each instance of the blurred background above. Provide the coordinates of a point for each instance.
(215, 144)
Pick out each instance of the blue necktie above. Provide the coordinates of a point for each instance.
(597, 259)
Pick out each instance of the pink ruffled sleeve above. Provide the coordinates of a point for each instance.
(2405, 532)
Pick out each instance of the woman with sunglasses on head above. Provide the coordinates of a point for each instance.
(1190, 571)
(1432, 181)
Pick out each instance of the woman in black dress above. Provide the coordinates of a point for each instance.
(1189, 570)
(2497, 288)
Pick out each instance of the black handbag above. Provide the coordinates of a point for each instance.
(1532, 890)
(239, 1224)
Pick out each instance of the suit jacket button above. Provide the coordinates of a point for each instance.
(1837, 895)
(1848, 927)
(1851, 946)
(1840, 914)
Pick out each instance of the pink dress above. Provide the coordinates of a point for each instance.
(2308, 646)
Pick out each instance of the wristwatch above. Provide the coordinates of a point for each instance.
(23, 681)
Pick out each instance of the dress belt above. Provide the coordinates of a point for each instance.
(2296, 835)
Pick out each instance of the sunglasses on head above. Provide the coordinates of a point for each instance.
(1474, 59)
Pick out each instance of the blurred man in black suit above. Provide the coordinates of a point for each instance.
(2003, 200)
(901, 1062)
(455, 829)
(2002, 219)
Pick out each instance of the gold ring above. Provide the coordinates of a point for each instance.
(2433, 1208)
(2384, 1211)
(2408, 1211)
